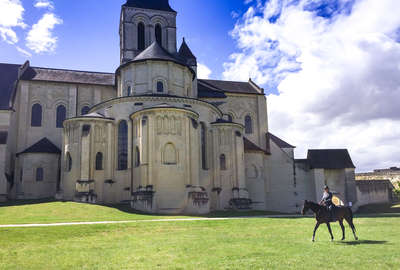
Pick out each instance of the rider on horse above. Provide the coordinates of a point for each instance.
(327, 200)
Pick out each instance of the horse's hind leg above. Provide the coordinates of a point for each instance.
(330, 230)
(315, 230)
(343, 230)
(351, 224)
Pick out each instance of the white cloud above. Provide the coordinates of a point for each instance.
(40, 38)
(11, 16)
(338, 78)
(234, 14)
(24, 52)
(44, 4)
(203, 72)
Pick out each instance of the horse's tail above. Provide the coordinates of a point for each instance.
(351, 219)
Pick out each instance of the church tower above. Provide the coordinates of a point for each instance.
(143, 22)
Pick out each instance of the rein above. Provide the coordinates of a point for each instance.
(314, 207)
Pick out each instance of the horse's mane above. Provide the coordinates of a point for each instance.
(314, 205)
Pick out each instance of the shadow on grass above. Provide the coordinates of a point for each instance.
(26, 202)
(363, 242)
(217, 214)
(379, 209)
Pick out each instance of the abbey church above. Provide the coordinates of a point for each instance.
(153, 134)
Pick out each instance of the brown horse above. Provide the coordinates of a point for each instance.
(322, 216)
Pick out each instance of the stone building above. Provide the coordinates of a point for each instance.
(152, 134)
(392, 174)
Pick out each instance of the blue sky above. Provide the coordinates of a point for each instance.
(331, 68)
(88, 37)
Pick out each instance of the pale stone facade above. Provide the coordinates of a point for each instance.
(154, 135)
(392, 174)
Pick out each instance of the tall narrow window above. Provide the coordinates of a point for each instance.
(36, 120)
(129, 91)
(99, 161)
(203, 146)
(122, 146)
(140, 37)
(230, 118)
(222, 162)
(158, 33)
(61, 115)
(160, 87)
(39, 174)
(85, 110)
(137, 160)
(3, 137)
(248, 124)
(170, 155)
(68, 162)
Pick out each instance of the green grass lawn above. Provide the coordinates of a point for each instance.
(257, 243)
(29, 212)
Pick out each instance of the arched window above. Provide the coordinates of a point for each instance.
(248, 124)
(203, 146)
(122, 146)
(61, 115)
(170, 155)
(158, 33)
(160, 87)
(144, 121)
(36, 120)
(140, 37)
(129, 91)
(85, 110)
(99, 161)
(230, 118)
(39, 174)
(222, 162)
(137, 159)
(68, 162)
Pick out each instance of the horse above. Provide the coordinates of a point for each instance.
(322, 216)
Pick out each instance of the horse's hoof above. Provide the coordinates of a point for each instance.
(356, 238)
(342, 239)
(332, 240)
(312, 240)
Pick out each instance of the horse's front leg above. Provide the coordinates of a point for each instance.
(330, 230)
(315, 230)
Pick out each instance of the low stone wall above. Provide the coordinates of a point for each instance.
(392, 175)
(374, 192)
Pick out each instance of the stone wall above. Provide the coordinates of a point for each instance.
(3, 180)
(392, 174)
(373, 192)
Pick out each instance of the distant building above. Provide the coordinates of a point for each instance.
(153, 134)
(392, 174)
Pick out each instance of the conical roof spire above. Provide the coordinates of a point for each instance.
(186, 54)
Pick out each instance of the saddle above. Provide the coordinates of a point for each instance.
(331, 210)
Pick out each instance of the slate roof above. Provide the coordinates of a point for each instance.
(8, 77)
(223, 121)
(156, 52)
(68, 76)
(43, 146)
(150, 4)
(249, 146)
(230, 86)
(278, 141)
(330, 159)
(185, 52)
(205, 91)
